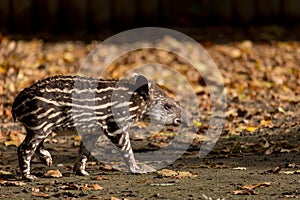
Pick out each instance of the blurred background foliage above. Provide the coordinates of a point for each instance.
(77, 17)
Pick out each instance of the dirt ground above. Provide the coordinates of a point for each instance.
(218, 176)
(257, 156)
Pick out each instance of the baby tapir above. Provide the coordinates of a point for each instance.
(84, 104)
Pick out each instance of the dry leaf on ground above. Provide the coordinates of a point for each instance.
(167, 173)
(244, 192)
(53, 174)
(252, 187)
(15, 139)
(39, 194)
(12, 183)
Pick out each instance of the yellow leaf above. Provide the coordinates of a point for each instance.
(197, 123)
(3, 69)
(266, 123)
(267, 84)
(4, 172)
(280, 109)
(91, 163)
(76, 138)
(251, 129)
(198, 89)
(291, 172)
(10, 143)
(69, 57)
(15, 138)
(288, 172)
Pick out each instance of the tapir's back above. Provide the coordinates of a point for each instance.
(68, 102)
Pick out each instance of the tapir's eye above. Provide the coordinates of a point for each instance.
(167, 106)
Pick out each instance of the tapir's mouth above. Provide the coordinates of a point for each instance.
(183, 121)
(180, 122)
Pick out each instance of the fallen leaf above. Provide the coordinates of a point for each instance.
(162, 184)
(292, 165)
(246, 45)
(4, 172)
(61, 141)
(197, 123)
(39, 194)
(91, 187)
(199, 138)
(291, 195)
(167, 173)
(95, 187)
(275, 170)
(240, 168)
(199, 89)
(282, 150)
(100, 178)
(105, 167)
(235, 53)
(7, 112)
(13, 183)
(69, 57)
(77, 138)
(35, 189)
(280, 109)
(70, 187)
(158, 145)
(91, 163)
(266, 144)
(86, 187)
(53, 174)
(15, 138)
(144, 181)
(270, 150)
(251, 187)
(184, 174)
(2, 69)
(267, 123)
(114, 198)
(3, 136)
(244, 192)
(290, 172)
(251, 129)
(162, 136)
(51, 140)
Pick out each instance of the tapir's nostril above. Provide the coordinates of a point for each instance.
(177, 121)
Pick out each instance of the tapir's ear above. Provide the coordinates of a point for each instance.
(142, 85)
(140, 79)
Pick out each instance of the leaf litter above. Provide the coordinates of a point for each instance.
(262, 81)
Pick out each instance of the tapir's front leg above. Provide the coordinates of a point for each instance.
(126, 150)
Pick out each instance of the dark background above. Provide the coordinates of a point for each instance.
(82, 17)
